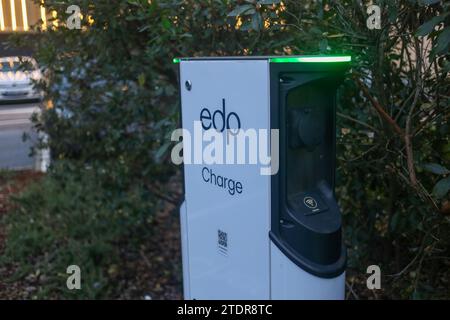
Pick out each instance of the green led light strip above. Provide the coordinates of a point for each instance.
(311, 59)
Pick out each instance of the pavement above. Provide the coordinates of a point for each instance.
(14, 122)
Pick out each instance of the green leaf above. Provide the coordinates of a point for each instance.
(166, 23)
(436, 168)
(246, 26)
(394, 221)
(442, 42)
(245, 9)
(315, 31)
(428, 2)
(428, 26)
(441, 188)
(141, 79)
(162, 151)
(446, 67)
(256, 21)
(263, 2)
(323, 45)
(392, 13)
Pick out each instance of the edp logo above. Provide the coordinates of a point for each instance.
(219, 120)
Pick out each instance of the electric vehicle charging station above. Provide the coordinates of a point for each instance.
(248, 235)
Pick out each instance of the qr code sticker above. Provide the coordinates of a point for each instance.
(222, 241)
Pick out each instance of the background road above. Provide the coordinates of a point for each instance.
(14, 121)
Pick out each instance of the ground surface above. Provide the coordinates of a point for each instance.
(152, 271)
(11, 183)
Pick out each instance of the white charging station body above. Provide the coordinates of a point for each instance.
(226, 249)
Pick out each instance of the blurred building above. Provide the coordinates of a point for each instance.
(18, 16)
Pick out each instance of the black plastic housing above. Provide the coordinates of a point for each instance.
(306, 221)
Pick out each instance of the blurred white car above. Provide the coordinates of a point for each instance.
(16, 77)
